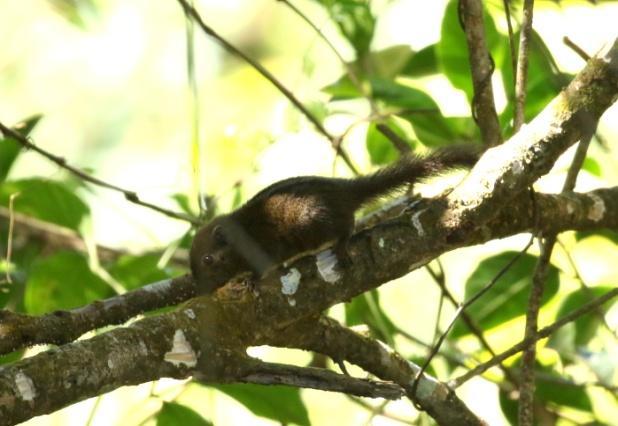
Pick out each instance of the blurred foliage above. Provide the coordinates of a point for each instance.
(390, 81)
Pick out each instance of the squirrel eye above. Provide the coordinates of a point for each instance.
(217, 233)
(207, 259)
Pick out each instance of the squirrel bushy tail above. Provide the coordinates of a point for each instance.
(413, 168)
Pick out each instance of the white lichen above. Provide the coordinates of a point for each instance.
(326, 262)
(189, 313)
(182, 353)
(381, 243)
(25, 386)
(143, 349)
(110, 363)
(416, 222)
(597, 211)
(292, 301)
(290, 282)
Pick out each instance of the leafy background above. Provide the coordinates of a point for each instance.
(104, 84)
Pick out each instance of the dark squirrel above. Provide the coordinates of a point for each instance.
(303, 214)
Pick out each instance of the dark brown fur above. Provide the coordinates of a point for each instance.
(302, 214)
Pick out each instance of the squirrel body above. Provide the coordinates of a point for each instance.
(303, 214)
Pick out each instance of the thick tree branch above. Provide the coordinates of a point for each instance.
(507, 170)
(557, 213)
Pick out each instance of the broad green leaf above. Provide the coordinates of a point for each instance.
(173, 414)
(366, 309)
(401, 96)
(388, 63)
(610, 234)
(550, 389)
(279, 403)
(342, 89)
(135, 271)
(381, 149)
(422, 63)
(46, 200)
(354, 20)
(62, 281)
(585, 327)
(592, 166)
(10, 149)
(508, 298)
(452, 49)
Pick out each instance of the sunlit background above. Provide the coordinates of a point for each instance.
(111, 84)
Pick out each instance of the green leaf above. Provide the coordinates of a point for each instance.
(585, 327)
(508, 298)
(592, 166)
(10, 149)
(173, 414)
(398, 95)
(388, 63)
(279, 403)
(78, 12)
(381, 149)
(62, 281)
(46, 200)
(605, 233)
(422, 63)
(135, 271)
(366, 309)
(452, 49)
(355, 22)
(550, 389)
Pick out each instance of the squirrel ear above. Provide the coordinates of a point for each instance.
(217, 234)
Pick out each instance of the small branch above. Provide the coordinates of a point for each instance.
(62, 163)
(581, 52)
(461, 312)
(527, 385)
(349, 70)
(521, 80)
(481, 67)
(509, 24)
(544, 332)
(398, 142)
(327, 336)
(229, 47)
(318, 378)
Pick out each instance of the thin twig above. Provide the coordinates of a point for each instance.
(335, 142)
(349, 70)
(398, 142)
(461, 311)
(581, 52)
(62, 163)
(482, 67)
(509, 24)
(9, 243)
(521, 81)
(544, 332)
(527, 385)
